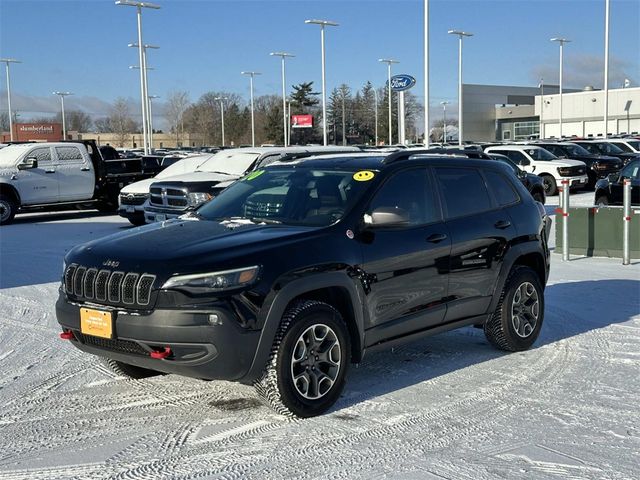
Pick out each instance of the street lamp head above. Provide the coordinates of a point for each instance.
(560, 40)
(62, 94)
(153, 96)
(281, 54)
(221, 98)
(251, 74)
(460, 33)
(136, 67)
(388, 60)
(328, 23)
(130, 3)
(445, 103)
(146, 45)
(9, 60)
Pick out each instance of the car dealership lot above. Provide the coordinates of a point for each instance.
(448, 406)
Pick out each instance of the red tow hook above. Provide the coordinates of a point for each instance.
(68, 335)
(161, 354)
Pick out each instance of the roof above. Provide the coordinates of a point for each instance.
(512, 147)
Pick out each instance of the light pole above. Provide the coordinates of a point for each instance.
(561, 41)
(146, 88)
(283, 56)
(541, 129)
(143, 71)
(389, 61)
(151, 97)
(253, 124)
(426, 74)
(221, 100)
(64, 123)
(460, 35)
(444, 121)
(323, 23)
(375, 100)
(7, 61)
(606, 68)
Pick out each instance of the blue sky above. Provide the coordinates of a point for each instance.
(82, 46)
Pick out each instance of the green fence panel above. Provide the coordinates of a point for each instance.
(597, 232)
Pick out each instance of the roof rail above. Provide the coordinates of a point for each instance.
(406, 154)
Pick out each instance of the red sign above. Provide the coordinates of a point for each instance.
(25, 132)
(301, 121)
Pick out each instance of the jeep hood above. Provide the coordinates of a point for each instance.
(565, 162)
(185, 245)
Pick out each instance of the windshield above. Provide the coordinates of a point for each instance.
(540, 154)
(631, 171)
(576, 150)
(9, 155)
(185, 165)
(231, 162)
(291, 196)
(635, 144)
(609, 148)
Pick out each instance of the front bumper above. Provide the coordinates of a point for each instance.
(155, 214)
(576, 182)
(131, 212)
(199, 347)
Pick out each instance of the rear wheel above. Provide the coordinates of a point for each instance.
(130, 371)
(311, 352)
(8, 209)
(550, 185)
(516, 322)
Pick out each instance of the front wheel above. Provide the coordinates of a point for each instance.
(516, 322)
(550, 185)
(306, 371)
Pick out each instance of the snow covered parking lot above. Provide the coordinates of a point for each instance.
(449, 406)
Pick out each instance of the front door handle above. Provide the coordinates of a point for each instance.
(49, 171)
(502, 224)
(436, 238)
(85, 169)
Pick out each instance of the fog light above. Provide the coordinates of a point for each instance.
(214, 319)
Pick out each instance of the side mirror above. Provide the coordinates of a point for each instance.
(28, 163)
(613, 177)
(524, 162)
(387, 217)
(522, 174)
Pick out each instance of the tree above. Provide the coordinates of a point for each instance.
(121, 122)
(175, 108)
(76, 120)
(204, 117)
(4, 122)
(103, 125)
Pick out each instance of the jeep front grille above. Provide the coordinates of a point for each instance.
(105, 286)
(133, 198)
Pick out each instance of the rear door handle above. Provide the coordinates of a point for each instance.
(436, 238)
(502, 224)
(49, 171)
(85, 169)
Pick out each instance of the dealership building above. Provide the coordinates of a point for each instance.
(499, 112)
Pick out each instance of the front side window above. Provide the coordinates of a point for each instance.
(576, 150)
(463, 190)
(409, 191)
(631, 171)
(291, 196)
(540, 154)
(516, 157)
(43, 155)
(610, 149)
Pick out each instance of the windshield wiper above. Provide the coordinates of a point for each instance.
(265, 220)
(219, 173)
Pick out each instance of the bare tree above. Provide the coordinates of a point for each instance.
(76, 120)
(4, 122)
(121, 122)
(176, 106)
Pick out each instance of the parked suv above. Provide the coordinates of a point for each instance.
(541, 162)
(604, 147)
(301, 268)
(610, 190)
(598, 166)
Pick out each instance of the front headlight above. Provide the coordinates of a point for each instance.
(564, 171)
(196, 199)
(216, 281)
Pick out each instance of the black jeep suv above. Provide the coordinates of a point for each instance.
(300, 268)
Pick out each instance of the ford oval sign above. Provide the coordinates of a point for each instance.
(400, 83)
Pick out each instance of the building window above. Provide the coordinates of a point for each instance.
(161, 144)
(525, 130)
(506, 135)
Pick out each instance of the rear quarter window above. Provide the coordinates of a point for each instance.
(502, 189)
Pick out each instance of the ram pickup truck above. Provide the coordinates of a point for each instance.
(59, 175)
(172, 197)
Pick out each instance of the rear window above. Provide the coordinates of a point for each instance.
(463, 190)
(502, 189)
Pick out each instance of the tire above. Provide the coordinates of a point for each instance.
(304, 321)
(539, 197)
(602, 200)
(505, 329)
(130, 371)
(550, 185)
(591, 184)
(8, 209)
(136, 221)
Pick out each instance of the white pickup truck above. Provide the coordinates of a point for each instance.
(546, 165)
(57, 175)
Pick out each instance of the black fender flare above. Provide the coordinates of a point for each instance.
(515, 252)
(276, 308)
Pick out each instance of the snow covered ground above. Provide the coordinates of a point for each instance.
(446, 407)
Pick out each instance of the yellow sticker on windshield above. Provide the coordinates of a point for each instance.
(363, 176)
(253, 175)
